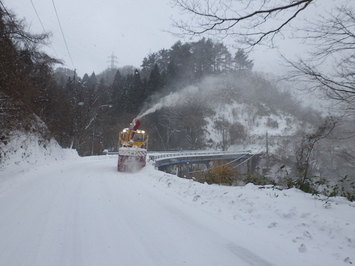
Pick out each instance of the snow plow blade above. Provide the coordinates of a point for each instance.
(131, 159)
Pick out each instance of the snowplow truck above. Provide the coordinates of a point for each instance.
(132, 148)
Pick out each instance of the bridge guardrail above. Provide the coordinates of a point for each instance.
(160, 156)
(156, 156)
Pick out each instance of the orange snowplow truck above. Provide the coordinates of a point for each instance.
(132, 148)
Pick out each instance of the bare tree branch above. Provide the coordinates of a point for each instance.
(251, 21)
(15, 30)
(330, 66)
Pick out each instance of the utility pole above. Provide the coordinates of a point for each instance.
(74, 78)
(267, 152)
(112, 60)
(223, 140)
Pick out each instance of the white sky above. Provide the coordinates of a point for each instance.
(129, 29)
(96, 29)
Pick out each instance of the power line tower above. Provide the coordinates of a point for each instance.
(112, 60)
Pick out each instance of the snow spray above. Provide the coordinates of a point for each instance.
(171, 100)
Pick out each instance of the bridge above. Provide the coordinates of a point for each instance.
(186, 163)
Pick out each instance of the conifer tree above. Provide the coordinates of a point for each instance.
(136, 95)
(154, 83)
(117, 93)
(241, 61)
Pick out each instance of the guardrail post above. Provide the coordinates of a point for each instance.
(188, 170)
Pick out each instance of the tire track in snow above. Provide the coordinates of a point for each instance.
(86, 213)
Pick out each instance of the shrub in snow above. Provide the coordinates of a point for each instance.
(237, 133)
(258, 179)
(222, 174)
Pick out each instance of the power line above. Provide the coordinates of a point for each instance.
(40, 21)
(65, 41)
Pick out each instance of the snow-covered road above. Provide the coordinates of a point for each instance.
(89, 214)
(84, 212)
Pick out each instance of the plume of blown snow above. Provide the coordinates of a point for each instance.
(171, 100)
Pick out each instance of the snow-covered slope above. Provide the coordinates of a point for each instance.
(251, 127)
(22, 151)
(81, 211)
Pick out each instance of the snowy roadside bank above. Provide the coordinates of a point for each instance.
(322, 231)
(22, 152)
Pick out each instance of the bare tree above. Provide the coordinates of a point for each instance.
(252, 21)
(305, 151)
(330, 66)
(332, 35)
(25, 71)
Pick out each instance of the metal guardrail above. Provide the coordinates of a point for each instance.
(157, 156)
(166, 155)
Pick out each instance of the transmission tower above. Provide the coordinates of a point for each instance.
(112, 60)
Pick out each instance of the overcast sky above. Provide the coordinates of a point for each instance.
(94, 29)
(131, 29)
